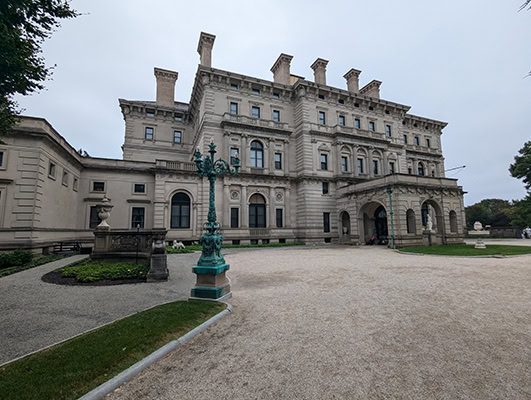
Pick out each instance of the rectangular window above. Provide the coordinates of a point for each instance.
(98, 186)
(256, 91)
(342, 120)
(236, 241)
(410, 171)
(276, 95)
(322, 118)
(427, 142)
(360, 166)
(233, 155)
(234, 108)
(375, 166)
(177, 136)
(325, 188)
(137, 217)
(234, 85)
(65, 178)
(388, 130)
(51, 170)
(344, 164)
(326, 222)
(321, 96)
(149, 133)
(341, 101)
(150, 112)
(417, 141)
(75, 184)
(178, 117)
(405, 139)
(280, 217)
(391, 167)
(235, 217)
(255, 112)
(324, 162)
(357, 123)
(1, 158)
(278, 161)
(372, 126)
(276, 115)
(94, 220)
(140, 188)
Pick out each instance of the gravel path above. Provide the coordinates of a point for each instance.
(35, 314)
(358, 323)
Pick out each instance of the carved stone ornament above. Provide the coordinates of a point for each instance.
(235, 195)
(279, 196)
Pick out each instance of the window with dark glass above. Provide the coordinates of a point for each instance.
(322, 118)
(344, 164)
(140, 188)
(177, 136)
(342, 120)
(256, 91)
(94, 219)
(51, 170)
(360, 166)
(427, 142)
(410, 170)
(405, 139)
(150, 112)
(324, 162)
(325, 187)
(178, 117)
(257, 154)
(257, 211)
(180, 211)
(391, 167)
(234, 85)
(421, 169)
(234, 108)
(278, 161)
(1, 158)
(357, 123)
(233, 155)
(372, 126)
(235, 217)
(255, 112)
(417, 141)
(326, 222)
(388, 130)
(341, 101)
(98, 186)
(276, 115)
(148, 133)
(276, 95)
(280, 217)
(375, 167)
(137, 217)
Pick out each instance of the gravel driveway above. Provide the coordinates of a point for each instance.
(358, 323)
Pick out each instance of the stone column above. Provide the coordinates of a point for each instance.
(287, 207)
(226, 205)
(243, 208)
(385, 166)
(272, 212)
(369, 167)
(243, 155)
(355, 159)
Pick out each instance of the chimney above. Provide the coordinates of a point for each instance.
(204, 48)
(281, 69)
(353, 80)
(166, 86)
(319, 71)
(371, 89)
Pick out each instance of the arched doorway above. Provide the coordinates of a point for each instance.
(372, 222)
(380, 220)
(180, 211)
(257, 211)
(430, 210)
(344, 227)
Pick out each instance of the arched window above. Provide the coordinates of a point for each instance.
(411, 223)
(421, 169)
(453, 222)
(180, 211)
(257, 154)
(257, 211)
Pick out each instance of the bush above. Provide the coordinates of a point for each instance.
(16, 258)
(97, 271)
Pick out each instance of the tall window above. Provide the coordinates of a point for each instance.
(65, 178)
(180, 211)
(344, 164)
(324, 162)
(255, 112)
(177, 136)
(405, 139)
(360, 166)
(391, 167)
(94, 220)
(428, 142)
(51, 170)
(233, 155)
(411, 222)
(257, 154)
(137, 217)
(326, 222)
(375, 167)
(322, 118)
(388, 130)
(276, 115)
(325, 187)
(278, 160)
(280, 217)
(148, 133)
(421, 169)
(1, 158)
(417, 141)
(372, 126)
(257, 211)
(234, 108)
(342, 120)
(357, 123)
(234, 217)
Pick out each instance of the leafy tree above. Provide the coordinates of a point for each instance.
(493, 212)
(520, 213)
(24, 25)
(521, 168)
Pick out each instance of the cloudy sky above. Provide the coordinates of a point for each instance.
(460, 61)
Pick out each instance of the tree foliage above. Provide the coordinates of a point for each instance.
(521, 168)
(493, 212)
(24, 25)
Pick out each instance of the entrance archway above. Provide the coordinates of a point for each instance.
(344, 230)
(432, 209)
(380, 221)
(373, 223)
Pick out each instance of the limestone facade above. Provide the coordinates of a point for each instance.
(318, 164)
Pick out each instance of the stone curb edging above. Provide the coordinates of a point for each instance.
(105, 388)
(442, 255)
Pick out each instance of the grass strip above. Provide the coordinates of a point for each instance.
(470, 250)
(92, 271)
(73, 368)
(32, 264)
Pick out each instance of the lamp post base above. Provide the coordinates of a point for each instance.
(211, 284)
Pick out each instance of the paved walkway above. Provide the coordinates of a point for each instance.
(358, 323)
(35, 314)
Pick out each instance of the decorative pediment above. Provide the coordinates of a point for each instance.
(323, 147)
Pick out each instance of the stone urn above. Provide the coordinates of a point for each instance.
(479, 233)
(104, 212)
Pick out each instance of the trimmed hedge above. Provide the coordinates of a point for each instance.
(15, 259)
(97, 271)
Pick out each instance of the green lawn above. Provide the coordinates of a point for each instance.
(35, 262)
(469, 250)
(73, 368)
(91, 271)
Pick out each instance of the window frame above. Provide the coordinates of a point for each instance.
(416, 141)
(279, 217)
(152, 133)
(278, 163)
(325, 187)
(360, 165)
(3, 159)
(233, 156)
(388, 130)
(341, 120)
(52, 170)
(75, 183)
(180, 136)
(94, 182)
(375, 167)
(143, 225)
(237, 106)
(181, 216)
(65, 178)
(234, 217)
(344, 164)
(139, 184)
(253, 109)
(253, 154)
(357, 123)
(326, 222)
(93, 222)
(323, 163)
(277, 114)
(321, 117)
(372, 126)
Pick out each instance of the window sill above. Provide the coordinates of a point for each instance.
(51, 177)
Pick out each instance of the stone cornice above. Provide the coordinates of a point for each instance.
(410, 118)
(282, 58)
(347, 136)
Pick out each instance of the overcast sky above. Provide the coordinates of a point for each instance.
(459, 61)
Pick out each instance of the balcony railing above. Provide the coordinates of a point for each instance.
(177, 165)
(259, 231)
(245, 120)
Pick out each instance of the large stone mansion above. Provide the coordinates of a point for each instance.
(319, 164)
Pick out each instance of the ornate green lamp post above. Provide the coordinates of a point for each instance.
(211, 281)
